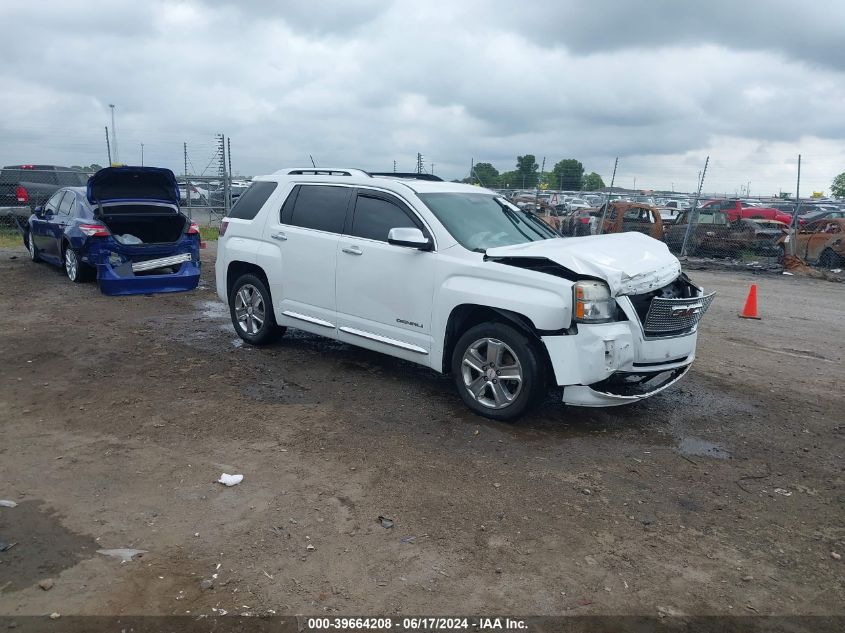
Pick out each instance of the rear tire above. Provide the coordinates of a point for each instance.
(251, 309)
(77, 270)
(498, 371)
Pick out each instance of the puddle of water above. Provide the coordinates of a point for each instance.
(44, 546)
(213, 309)
(701, 448)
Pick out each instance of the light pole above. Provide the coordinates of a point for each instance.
(142, 154)
(114, 135)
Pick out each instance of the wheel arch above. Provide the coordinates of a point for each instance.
(238, 268)
(467, 315)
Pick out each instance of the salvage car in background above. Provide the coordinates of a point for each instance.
(714, 235)
(623, 217)
(821, 243)
(125, 228)
(29, 186)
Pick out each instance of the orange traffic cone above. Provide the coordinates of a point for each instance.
(750, 309)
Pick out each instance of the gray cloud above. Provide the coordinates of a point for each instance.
(660, 85)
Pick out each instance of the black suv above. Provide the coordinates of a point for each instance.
(29, 186)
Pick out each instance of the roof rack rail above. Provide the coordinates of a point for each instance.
(321, 171)
(407, 175)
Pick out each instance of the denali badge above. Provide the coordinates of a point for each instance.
(412, 323)
(686, 311)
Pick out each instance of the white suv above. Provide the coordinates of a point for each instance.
(456, 278)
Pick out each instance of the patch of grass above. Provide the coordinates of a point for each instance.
(9, 239)
(209, 233)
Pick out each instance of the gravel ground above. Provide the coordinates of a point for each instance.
(722, 495)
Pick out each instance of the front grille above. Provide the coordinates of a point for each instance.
(671, 316)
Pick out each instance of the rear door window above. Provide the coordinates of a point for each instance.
(66, 207)
(375, 215)
(321, 207)
(250, 201)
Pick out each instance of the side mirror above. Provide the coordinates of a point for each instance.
(409, 237)
(38, 211)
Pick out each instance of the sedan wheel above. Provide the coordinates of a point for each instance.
(33, 254)
(71, 264)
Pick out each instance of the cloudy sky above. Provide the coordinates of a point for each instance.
(659, 83)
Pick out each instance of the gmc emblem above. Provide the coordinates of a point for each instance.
(686, 311)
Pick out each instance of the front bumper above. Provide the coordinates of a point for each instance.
(609, 364)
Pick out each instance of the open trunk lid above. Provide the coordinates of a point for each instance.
(630, 263)
(133, 184)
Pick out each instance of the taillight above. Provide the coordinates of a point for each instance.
(584, 220)
(94, 230)
(194, 229)
(224, 224)
(21, 194)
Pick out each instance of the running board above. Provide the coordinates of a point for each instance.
(385, 340)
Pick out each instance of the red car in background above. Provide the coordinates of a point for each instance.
(736, 209)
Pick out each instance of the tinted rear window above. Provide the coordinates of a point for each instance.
(37, 176)
(250, 201)
(321, 207)
(72, 178)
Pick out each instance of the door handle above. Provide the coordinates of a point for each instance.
(352, 250)
(279, 236)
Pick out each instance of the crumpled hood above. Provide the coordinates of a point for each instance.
(630, 263)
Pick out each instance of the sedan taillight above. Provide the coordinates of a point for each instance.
(194, 229)
(21, 194)
(94, 230)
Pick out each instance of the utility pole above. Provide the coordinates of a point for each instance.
(419, 163)
(114, 135)
(432, 169)
(142, 154)
(692, 217)
(394, 166)
(607, 198)
(185, 154)
(229, 153)
(108, 147)
(794, 224)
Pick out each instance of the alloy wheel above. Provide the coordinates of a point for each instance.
(492, 373)
(71, 264)
(249, 309)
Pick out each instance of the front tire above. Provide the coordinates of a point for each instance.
(252, 314)
(30, 245)
(498, 371)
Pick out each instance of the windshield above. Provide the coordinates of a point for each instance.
(479, 221)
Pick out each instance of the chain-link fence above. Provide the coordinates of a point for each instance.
(758, 233)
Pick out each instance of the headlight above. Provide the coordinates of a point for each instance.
(593, 303)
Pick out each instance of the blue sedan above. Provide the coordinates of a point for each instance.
(125, 228)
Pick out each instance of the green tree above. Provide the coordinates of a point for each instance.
(837, 187)
(484, 174)
(527, 168)
(510, 180)
(567, 174)
(593, 182)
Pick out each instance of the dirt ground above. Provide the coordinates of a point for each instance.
(722, 495)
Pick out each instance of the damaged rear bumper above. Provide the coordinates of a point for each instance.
(123, 270)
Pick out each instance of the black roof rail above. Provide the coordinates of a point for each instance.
(407, 175)
(319, 172)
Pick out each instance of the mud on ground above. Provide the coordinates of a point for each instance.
(722, 495)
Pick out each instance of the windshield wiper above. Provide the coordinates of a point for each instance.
(514, 219)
